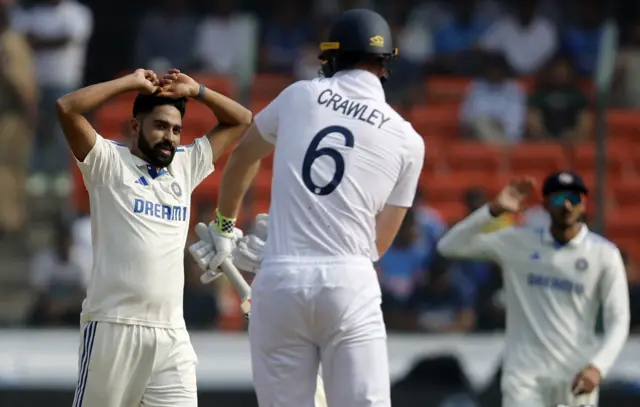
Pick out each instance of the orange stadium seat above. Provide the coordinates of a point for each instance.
(583, 159)
(473, 156)
(624, 125)
(451, 211)
(623, 223)
(268, 86)
(627, 193)
(225, 85)
(445, 88)
(536, 158)
(450, 187)
(438, 119)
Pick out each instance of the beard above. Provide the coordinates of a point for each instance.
(154, 153)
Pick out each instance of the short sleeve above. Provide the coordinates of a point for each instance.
(268, 120)
(99, 165)
(404, 191)
(200, 158)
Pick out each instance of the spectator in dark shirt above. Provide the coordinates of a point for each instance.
(285, 34)
(447, 303)
(558, 108)
(165, 37)
(401, 271)
(582, 40)
(455, 40)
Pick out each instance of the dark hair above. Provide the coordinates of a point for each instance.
(146, 103)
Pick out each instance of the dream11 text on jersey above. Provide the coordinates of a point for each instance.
(357, 110)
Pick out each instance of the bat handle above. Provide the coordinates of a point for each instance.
(240, 284)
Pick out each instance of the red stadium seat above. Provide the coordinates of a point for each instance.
(584, 157)
(532, 157)
(471, 156)
(268, 86)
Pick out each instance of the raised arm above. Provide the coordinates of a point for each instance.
(466, 240)
(233, 118)
(73, 107)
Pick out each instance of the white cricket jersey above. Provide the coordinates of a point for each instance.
(341, 154)
(139, 222)
(553, 294)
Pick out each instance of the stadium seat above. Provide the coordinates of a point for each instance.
(451, 187)
(451, 212)
(222, 84)
(434, 159)
(584, 155)
(624, 126)
(626, 193)
(623, 223)
(258, 104)
(445, 88)
(534, 158)
(473, 156)
(439, 119)
(268, 86)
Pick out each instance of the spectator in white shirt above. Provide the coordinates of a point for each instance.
(527, 39)
(225, 40)
(494, 106)
(58, 31)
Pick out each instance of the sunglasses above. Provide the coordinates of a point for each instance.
(559, 198)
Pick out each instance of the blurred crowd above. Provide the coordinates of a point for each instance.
(51, 47)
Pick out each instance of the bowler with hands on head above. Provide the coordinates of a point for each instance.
(555, 280)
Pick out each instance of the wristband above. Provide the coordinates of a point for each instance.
(200, 95)
(224, 225)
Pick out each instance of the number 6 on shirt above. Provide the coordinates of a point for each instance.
(313, 153)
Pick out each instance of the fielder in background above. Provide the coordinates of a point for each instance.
(135, 349)
(556, 280)
(345, 172)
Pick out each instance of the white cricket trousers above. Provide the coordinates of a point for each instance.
(521, 392)
(132, 366)
(320, 310)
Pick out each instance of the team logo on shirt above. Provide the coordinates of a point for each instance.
(582, 264)
(176, 189)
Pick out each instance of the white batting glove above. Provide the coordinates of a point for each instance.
(204, 251)
(249, 250)
(222, 232)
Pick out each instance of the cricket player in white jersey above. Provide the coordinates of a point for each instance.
(135, 349)
(345, 171)
(555, 280)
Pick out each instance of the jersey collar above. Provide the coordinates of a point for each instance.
(153, 171)
(364, 83)
(576, 241)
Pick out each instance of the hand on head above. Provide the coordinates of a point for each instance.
(174, 84)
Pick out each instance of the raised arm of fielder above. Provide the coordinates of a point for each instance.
(466, 240)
